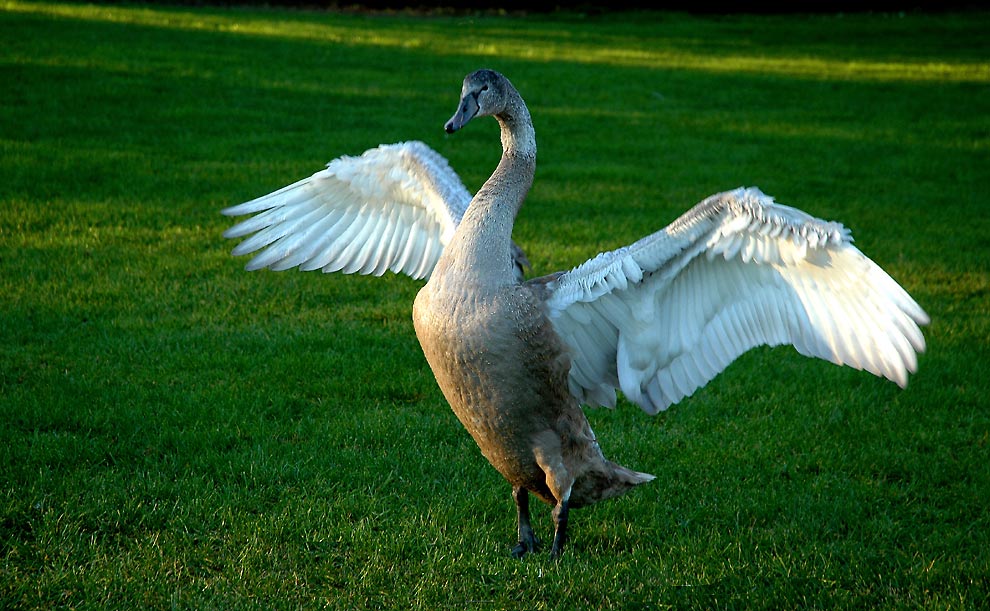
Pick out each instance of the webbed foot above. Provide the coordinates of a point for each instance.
(528, 545)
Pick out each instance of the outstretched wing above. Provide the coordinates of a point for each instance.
(393, 208)
(660, 318)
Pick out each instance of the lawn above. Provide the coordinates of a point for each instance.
(176, 432)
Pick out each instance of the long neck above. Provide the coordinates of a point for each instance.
(481, 247)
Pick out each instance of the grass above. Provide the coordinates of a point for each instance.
(178, 433)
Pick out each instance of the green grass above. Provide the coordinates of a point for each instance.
(178, 433)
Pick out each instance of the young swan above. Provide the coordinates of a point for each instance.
(656, 319)
(492, 346)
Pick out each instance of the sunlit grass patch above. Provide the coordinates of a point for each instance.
(655, 51)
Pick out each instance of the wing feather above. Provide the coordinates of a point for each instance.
(393, 208)
(735, 272)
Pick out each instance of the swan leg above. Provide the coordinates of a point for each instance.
(560, 481)
(560, 513)
(527, 539)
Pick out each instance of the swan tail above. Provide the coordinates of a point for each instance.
(615, 481)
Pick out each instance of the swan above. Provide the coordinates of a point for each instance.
(656, 319)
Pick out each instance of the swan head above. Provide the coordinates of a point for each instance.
(484, 93)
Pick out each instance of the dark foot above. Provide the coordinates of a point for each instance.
(527, 546)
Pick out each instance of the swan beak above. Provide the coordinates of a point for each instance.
(465, 112)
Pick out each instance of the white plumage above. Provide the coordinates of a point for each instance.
(393, 208)
(657, 319)
(660, 318)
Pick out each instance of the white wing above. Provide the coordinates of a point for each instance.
(393, 208)
(660, 318)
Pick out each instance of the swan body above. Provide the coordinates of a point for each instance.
(656, 319)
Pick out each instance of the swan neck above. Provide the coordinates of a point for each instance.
(510, 182)
(517, 132)
(482, 244)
